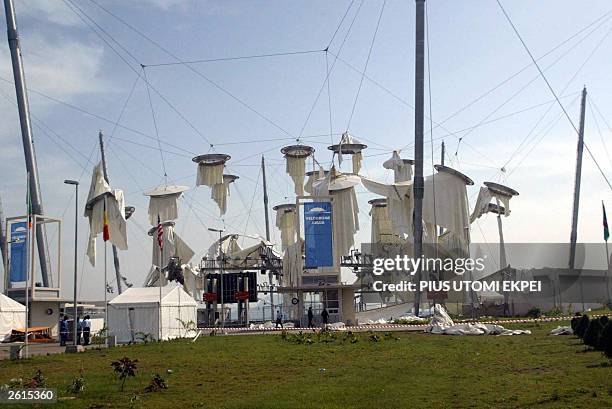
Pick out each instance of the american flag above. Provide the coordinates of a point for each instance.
(160, 233)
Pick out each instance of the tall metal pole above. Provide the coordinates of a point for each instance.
(607, 260)
(115, 254)
(419, 102)
(29, 263)
(265, 198)
(442, 154)
(76, 235)
(3, 248)
(577, 179)
(222, 294)
(26, 134)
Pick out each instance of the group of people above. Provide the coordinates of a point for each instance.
(324, 318)
(83, 330)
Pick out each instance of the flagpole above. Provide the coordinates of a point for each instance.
(105, 277)
(606, 236)
(28, 261)
(160, 238)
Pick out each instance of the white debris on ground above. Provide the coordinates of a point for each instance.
(560, 330)
(337, 326)
(270, 325)
(442, 323)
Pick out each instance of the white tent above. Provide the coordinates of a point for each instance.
(140, 307)
(12, 316)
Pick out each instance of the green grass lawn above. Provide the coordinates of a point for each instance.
(418, 370)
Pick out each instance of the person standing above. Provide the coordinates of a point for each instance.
(63, 327)
(325, 317)
(279, 319)
(310, 316)
(79, 327)
(86, 323)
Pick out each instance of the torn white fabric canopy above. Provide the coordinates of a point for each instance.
(210, 175)
(381, 223)
(296, 168)
(441, 323)
(219, 194)
(285, 221)
(448, 207)
(482, 203)
(173, 246)
(101, 196)
(402, 171)
(313, 177)
(399, 203)
(357, 157)
(292, 263)
(165, 207)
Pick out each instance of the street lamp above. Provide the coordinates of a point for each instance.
(76, 234)
(220, 231)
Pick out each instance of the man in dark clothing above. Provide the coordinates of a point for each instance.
(325, 317)
(310, 317)
(86, 323)
(79, 328)
(63, 330)
(279, 319)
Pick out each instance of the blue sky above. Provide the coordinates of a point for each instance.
(472, 49)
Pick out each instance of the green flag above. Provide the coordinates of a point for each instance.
(605, 223)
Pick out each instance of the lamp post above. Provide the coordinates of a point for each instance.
(220, 231)
(75, 345)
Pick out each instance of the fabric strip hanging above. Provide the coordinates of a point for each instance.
(402, 169)
(285, 221)
(99, 193)
(296, 168)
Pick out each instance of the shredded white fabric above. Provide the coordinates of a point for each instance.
(292, 263)
(209, 175)
(296, 168)
(482, 203)
(402, 172)
(285, 221)
(357, 158)
(173, 246)
(99, 193)
(441, 323)
(399, 203)
(219, 194)
(451, 206)
(163, 206)
(381, 223)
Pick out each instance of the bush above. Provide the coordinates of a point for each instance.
(605, 340)
(534, 312)
(76, 386)
(583, 324)
(157, 384)
(125, 367)
(591, 335)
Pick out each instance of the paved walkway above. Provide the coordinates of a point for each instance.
(36, 349)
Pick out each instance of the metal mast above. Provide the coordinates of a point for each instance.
(3, 248)
(577, 179)
(115, 255)
(265, 198)
(419, 102)
(26, 134)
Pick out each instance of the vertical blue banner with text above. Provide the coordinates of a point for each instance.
(318, 235)
(18, 252)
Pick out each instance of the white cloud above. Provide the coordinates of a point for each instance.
(60, 67)
(51, 11)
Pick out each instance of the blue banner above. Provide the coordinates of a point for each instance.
(19, 251)
(318, 234)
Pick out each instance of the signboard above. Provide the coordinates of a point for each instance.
(242, 295)
(318, 234)
(19, 251)
(210, 297)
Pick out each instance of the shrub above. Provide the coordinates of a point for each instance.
(591, 335)
(125, 367)
(157, 384)
(37, 381)
(555, 312)
(605, 341)
(76, 386)
(534, 312)
(582, 326)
